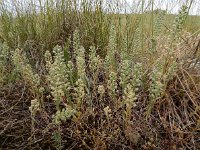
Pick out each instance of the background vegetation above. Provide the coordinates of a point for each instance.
(83, 75)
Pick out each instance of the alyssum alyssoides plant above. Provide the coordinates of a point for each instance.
(131, 81)
(130, 75)
(156, 88)
(111, 64)
(32, 79)
(177, 27)
(58, 78)
(80, 84)
(165, 67)
(95, 64)
(159, 24)
(162, 72)
(59, 83)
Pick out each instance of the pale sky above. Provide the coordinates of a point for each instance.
(171, 6)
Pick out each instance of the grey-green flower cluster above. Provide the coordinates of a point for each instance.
(35, 106)
(21, 64)
(178, 24)
(94, 60)
(57, 75)
(63, 115)
(131, 88)
(31, 79)
(110, 61)
(80, 84)
(156, 88)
